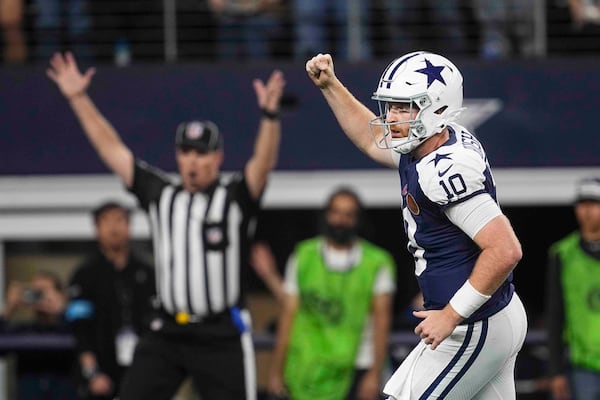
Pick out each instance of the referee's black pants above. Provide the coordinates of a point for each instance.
(215, 354)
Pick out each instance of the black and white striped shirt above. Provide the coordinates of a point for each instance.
(200, 240)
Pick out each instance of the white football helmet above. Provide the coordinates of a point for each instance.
(428, 81)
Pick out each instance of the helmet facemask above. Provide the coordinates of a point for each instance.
(427, 82)
(417, 131)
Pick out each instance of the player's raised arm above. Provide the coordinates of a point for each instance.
(105, 139)
(266, 145)
(351, 114)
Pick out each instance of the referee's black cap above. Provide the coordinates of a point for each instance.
(203, 136)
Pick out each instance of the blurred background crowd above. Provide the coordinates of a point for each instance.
(124, 31)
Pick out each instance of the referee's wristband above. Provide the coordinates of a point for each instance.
(271, 115)
(467, 300)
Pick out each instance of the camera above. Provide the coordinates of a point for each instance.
(31, 296)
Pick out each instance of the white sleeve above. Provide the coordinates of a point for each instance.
(290, 282)
(471, 215)
(384, 282)
(395, 157)
(466, 171)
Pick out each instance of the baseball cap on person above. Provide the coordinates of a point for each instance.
(588, 189)
(202, 136)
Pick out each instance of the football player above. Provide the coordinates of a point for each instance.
(464, 247)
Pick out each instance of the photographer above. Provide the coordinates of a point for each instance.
(43, 295)
(41, 373)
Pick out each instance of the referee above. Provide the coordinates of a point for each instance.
(200, 230)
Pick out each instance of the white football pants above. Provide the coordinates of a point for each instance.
(476, 361)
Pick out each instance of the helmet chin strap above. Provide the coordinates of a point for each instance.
(413, 140)
(407, 144)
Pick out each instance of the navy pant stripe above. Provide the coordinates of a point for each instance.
(463, 371)
(393, 72)
(450, 365)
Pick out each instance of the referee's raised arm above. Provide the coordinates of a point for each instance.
(101, 134)
(266, 146)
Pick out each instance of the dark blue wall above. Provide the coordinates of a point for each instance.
(550, 114)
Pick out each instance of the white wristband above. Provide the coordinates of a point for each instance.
(467, 300)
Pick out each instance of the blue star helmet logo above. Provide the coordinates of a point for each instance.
(433, 72)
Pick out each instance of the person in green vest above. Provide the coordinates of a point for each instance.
(573, 302)
(333, 331)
